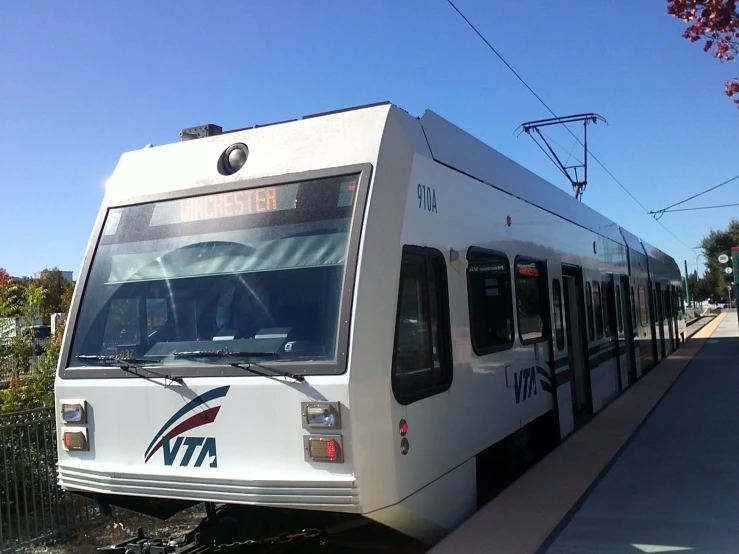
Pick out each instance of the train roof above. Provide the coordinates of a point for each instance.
(311, 138)
(456, 148)
(661, 265)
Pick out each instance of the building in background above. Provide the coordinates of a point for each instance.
(67, 275)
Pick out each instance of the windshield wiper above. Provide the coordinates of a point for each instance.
(246, 364)
(127, 364)
(221, 353)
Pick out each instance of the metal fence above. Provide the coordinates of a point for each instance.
(10, 365)
(32, 506)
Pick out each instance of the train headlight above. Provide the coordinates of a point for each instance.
(75, 440)
(233, 158)
(74, 411)
(321, 415)
(324, 448)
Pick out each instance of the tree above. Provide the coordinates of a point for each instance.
(716, 21)
(12, 300)
(714, 244)
(19, 349)
(58, 292)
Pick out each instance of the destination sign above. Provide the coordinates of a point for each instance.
(226, 204)
(489, 268)
(527, 269)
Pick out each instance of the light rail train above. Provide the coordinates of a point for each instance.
(358, 316)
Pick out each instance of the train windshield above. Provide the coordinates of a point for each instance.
(256, 271)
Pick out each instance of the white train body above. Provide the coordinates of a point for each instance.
(363, 225)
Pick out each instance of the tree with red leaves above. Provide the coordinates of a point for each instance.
(717, 21)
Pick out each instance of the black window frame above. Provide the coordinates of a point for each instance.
(484, 351)
(543, 300)
(446, 358)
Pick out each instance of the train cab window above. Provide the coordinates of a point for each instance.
(559, 332)
(422, 361)
(490, 301)
(531, 301)
(589, 308)
(598, 310)
(123, 323)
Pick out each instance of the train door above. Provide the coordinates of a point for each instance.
(659, 320)
(615, 316)
(670, 311)
(628, 321)
(577, 380)
(645, 330)
(652, 324)
(679, 315)
(559, 353)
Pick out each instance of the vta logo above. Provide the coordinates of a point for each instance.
(525, 382)
(172, 430)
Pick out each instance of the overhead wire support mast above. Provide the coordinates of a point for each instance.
(578, 184)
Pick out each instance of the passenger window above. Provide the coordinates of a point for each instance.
(619, 311)
(533, 312)
(490, 299)
(598, 311)
(589, 307)
(559, 332)
(422, 361)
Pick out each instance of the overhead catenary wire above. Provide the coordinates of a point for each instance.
(531, 90)
(700, 208)
(659, 213)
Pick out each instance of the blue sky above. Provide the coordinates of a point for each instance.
(82, 82)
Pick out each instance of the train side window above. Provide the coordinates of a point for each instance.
(490, 298)
(531, 301)
(422, 354)
(589, 308)
(598, 310)
(619, 310)
(559, 332)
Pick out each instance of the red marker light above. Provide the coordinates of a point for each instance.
(331, 450)
(403, 428)
(509, 221)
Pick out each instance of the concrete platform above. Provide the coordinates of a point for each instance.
(675, 488)
(616, 484)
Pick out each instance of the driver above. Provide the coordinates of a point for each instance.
(243, 304)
